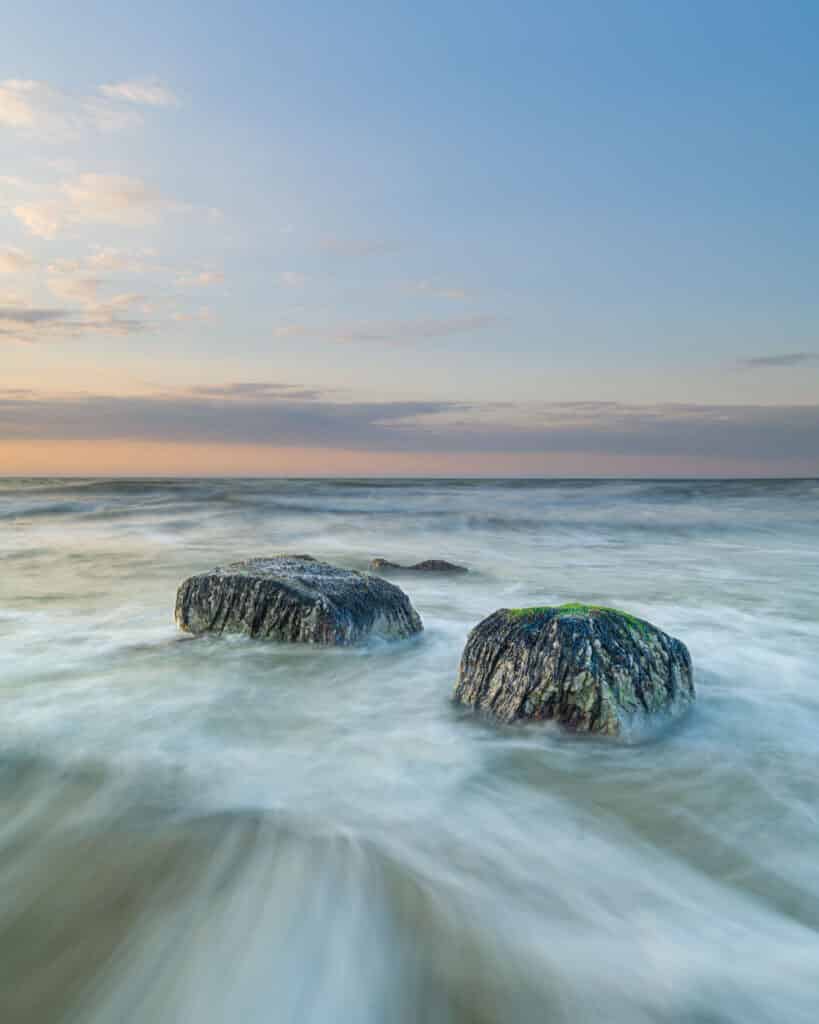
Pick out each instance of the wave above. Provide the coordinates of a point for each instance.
(130, 910)
(217, 829)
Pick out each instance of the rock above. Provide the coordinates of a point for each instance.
(591, 669)
(429, 565)
(294, 598)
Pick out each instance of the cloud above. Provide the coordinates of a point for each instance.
(97, 314)
(14, 261)
(82, 290)
(31, 316)
(146, 92)
(389, 332)
(201, 278)
(43, 219)
(254, 390)
(106, 260)
(12, 299)
(16, 102)
(267, 418)
(73, 326)
(84, 282)
(281, 415)
(356, 246)
(94, 199)
(428, 288)
(202, 315)
(111, 199)
(412, 330)
(36, 109)
(85, 291)
(786, 359)
(63, 265)
(292, 279)
(114, 260)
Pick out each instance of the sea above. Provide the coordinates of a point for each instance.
(216, 830)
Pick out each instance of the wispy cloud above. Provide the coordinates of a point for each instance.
(36, 109)
(84, 290)
(27, 316)
(95, 283)
(104, 260)
(411, 330)
(441, 292)
(356, 246)
(116, 261)
(255, 390)
(202, 315)
(91, 286)
(389, 332)
(93, 199)
(87, 293)
(14, 261)
(85, 309)
(148, 92)
(200, 278)
(292, 279)
(26, 325)
(783, 359)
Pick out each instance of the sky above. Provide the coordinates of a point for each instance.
(539, 239)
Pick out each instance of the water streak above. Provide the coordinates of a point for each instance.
(216, 829)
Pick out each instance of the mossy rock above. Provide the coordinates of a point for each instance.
(590, 668)
(297, 599)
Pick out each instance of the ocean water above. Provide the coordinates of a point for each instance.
(221, 830)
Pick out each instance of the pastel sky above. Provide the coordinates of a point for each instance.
(552, 238)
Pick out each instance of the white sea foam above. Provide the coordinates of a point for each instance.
(216, 829)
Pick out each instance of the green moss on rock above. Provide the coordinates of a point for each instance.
(577, 608)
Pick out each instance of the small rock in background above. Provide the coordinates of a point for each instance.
(429, 565)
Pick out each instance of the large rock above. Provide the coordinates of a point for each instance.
(591, 669)
(294, 598)
(428, 565)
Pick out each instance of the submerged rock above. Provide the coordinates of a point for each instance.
(429, 565)
(591, 669)
(294, 598)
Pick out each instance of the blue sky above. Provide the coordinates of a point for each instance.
(517, 231)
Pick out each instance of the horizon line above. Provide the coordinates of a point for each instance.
(401, 477)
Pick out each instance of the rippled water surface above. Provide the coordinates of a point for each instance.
(222, 830)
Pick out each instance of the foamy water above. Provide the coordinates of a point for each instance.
(222, 830)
